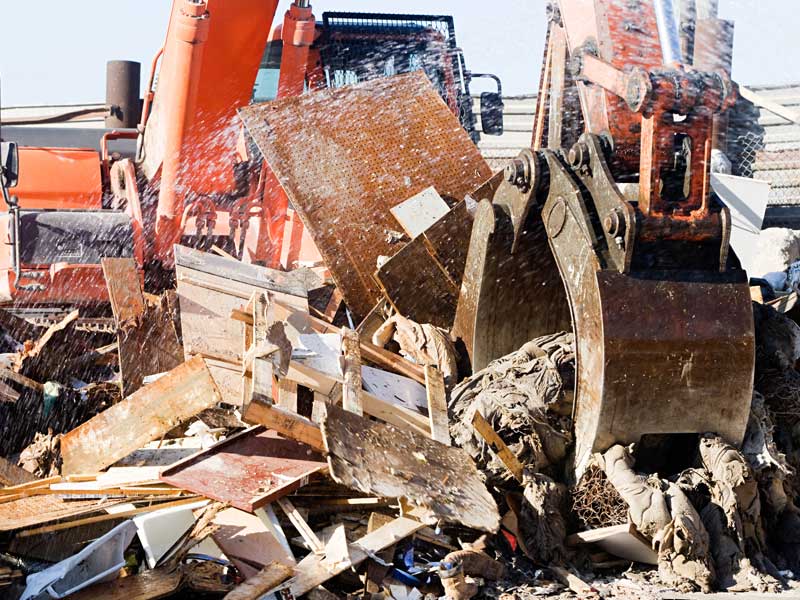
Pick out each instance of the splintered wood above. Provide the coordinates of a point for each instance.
(146, 415)
(380, 459)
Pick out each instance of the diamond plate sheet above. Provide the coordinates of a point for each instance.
(347, 156)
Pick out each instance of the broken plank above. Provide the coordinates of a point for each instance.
(21, 379)
(124, 288)
(106, 517)
(254, 588)
(383, 460)
(497, 445)
(127, 304)
(437, 405)
(247, 470)
(287, 395)
(287, 424)
(351, 390)
(144, 416)
(314, 570)
(301, 526)
(146, 585)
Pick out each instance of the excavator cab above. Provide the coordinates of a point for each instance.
(354, 47)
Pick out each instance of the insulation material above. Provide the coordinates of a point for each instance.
(526, 397)
(423, 344)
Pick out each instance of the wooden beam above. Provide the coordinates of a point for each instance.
(437, 405)
(106, 517)
(140, 418)
(128, 306)
(351, 390)
(254, 588)
(497, 445)
(288, 424)
(314, 570)
(302, 527)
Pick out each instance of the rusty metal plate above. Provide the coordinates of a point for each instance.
(345, 157)
(248, 470)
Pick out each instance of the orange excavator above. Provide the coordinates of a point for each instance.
(196, 178)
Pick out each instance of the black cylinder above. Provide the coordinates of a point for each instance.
(122, 93)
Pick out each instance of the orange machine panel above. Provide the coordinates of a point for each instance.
(58, 178)
(236, 40)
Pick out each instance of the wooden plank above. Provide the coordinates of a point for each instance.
(287, 424)
(269, 577)
(33, 511)
(146, 415)
(46, 360)
(128, 306)
(287, 395)
(124, 288)
(208, 290)
(247, 470)
(237, 272)
(261, 376)
(351, 234)
(437, 405)
(18, 328)
(351, 390)
(314, 570)
(380, 356)
(146, 585)
(29, 485)
(382, 460)
(29, 383)
(497, 445)
(301, 526)
(105, 517)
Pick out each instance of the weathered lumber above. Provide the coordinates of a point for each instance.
(288, 424)
(383, 460)
(351, 390)
(315, 570)
(269, 577)
(146, 415)
(497, 445)
(437, 405)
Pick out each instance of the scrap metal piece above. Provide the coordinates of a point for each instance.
(345, 157)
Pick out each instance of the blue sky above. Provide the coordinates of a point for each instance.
(55, 52)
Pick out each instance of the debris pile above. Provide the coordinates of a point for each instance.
(320, 432)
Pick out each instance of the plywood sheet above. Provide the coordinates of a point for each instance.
(347, 156)
(382, 460)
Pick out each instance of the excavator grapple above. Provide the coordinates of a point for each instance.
(618, 237)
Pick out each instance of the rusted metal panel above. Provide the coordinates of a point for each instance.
(345, 157)
(248, 470)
